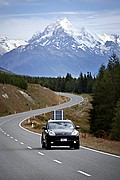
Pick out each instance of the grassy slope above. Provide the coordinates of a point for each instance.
(14, 100)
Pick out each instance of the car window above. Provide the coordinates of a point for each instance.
(60, 125)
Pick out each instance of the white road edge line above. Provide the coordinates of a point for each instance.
(59, 162)
(41, 153)
(101, 152)
(84, 173)
(27, 129)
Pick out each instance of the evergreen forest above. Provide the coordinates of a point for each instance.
(105, 115)
(15, 80)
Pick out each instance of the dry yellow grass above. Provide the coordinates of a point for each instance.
(105, 145)
(15, 100)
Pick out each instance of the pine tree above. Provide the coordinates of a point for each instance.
(115, 132)
(106, 92)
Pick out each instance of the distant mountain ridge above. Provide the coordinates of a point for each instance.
(61, 49)
(5, 71)
(7, 45)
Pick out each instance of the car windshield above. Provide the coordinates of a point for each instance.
(60, 125)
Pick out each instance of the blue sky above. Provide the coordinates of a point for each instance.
(20, 19)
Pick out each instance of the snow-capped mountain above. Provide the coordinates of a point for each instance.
(7, 45)
(61, 49)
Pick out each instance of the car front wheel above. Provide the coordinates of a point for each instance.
(77, 145)
(48, 145)
(43, 144)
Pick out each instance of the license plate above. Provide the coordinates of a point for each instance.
(63, 140)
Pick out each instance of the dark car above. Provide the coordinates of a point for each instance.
(60, 133)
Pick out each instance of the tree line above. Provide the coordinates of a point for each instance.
(15, 80)
(82, 84)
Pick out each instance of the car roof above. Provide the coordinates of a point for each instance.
(59, 120)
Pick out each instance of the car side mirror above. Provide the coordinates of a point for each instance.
(44, 128)
(77, 127)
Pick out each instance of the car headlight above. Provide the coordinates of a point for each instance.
(75, 133)
(51, 133)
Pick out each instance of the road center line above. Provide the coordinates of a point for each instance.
(16, 140)
(84, 173)
(29, 147)
(41, 153)
(21, 143)
(57, 161)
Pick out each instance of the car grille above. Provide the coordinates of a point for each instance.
(63, 134)
(57, 138)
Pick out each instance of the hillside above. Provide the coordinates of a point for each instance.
(15, 100)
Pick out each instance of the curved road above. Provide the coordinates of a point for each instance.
(22, 158)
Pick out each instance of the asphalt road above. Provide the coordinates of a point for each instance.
(22, 158)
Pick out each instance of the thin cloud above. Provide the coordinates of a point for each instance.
(115, 12)
(46, 13)
(21, 2)
(4, 3)
(23, 26)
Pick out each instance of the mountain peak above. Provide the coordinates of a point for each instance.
(64, 23)
(61, 23)
(55, 29)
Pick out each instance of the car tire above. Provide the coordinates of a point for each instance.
(43, 144)
(71, 146)
(48, 145)
(77, 145)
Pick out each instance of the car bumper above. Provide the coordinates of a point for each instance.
(63, 140)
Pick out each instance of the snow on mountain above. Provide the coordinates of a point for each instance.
(7, 45)
(57, 27)
(62, 28)
(104, 37)
(109, 44)
(61, 49)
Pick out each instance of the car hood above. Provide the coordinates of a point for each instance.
(62, 131)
